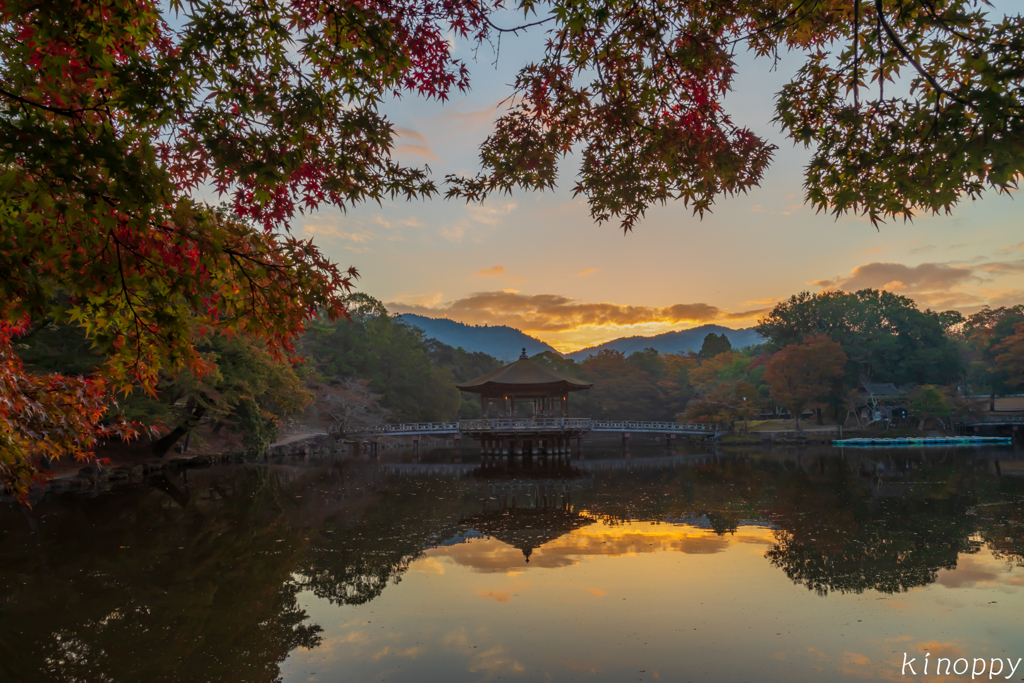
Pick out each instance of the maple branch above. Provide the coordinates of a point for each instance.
(906, 55)
(69, 113)
(930, 9)
(499, 29)
(777, 24)
(856, 54)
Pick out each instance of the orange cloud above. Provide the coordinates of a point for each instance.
(415, 151)
(409, 134)
(555, 313)
(497, 596)
(937, 285)
(494, 271)
(596, 540)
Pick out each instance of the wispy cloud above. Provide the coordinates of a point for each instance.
(422, 151)
(477, 216)
(586, 271)
(413, 144)
(410, 134)
(493, 271)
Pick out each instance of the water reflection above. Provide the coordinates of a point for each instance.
(259, 574)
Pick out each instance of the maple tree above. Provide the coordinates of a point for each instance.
(801, 374)
(990, 350)
(115, 115)
(908, 105)
(727, 386)
(1009, 354)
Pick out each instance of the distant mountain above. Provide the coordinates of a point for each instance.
(502, 342)
(673, 342)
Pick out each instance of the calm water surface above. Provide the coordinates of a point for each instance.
(747, 565)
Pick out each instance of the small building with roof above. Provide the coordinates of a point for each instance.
(524, 382)
(874, 401)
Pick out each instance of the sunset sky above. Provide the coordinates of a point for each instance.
(537, 262)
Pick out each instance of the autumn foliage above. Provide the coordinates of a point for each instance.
(116, 115)
(47, 416)
(800, 374)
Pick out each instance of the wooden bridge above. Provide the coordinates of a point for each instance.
(546, 436)
(540, 425)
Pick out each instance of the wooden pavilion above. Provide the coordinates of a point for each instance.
(525, 381)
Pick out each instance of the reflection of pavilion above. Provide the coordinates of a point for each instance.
(529, 528)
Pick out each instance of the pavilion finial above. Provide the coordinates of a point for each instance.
(523, 356)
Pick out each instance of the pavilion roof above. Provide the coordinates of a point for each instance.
(523, 374)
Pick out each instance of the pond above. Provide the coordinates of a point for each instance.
(755, 564)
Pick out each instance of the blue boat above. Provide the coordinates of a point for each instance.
(928, 441)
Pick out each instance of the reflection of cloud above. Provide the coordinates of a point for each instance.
(593, 541)
(497, 596)
(428, 566)
(974, 571)
(495, 661)
(597, 592)
(493, 271)
(388, 651)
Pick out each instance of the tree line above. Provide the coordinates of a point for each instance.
(348, 374)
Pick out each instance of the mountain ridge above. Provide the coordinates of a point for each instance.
(501, 341)
(678, 341)
(505, 343)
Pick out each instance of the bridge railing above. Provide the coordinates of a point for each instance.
(542, 424)
(997, 419)
(647, 426)
(426, 427)
(536, 423)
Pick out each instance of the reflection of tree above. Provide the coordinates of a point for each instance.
(355, 557)
(136, 588)
(726, 492)
(834, 537)
(1001, 523)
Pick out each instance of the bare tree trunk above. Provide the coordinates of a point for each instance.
(164, 444)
